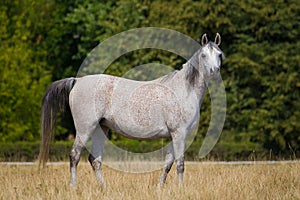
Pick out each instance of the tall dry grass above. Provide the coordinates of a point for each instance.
(279, 181)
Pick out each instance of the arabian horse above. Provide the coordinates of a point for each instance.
(167, 107)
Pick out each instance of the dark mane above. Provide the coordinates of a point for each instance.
(192, 73)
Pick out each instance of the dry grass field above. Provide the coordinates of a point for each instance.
(261, 181)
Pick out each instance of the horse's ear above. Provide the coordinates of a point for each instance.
(204, 39)
(218, 39)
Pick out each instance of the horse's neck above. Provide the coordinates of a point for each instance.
(181, 81)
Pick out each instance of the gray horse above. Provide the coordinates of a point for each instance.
(165, 107)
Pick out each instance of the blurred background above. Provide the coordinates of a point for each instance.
(45, 40)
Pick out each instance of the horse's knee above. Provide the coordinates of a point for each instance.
(180, 165)
(170, 158)
(95, 162)
(169, 162)
(91, 159)
(74, 157)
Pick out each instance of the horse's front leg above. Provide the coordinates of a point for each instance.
(179, 147)
(169, 160)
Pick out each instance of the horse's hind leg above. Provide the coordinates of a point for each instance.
(75, 154)
(95, 157)
(169, 160)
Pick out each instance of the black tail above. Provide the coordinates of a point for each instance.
(56, 99)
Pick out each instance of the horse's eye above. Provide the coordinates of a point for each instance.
(221, 56)
(203, 55)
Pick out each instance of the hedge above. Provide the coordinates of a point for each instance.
(28, 151)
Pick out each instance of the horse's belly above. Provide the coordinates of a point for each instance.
(146, 135)
(137, 132)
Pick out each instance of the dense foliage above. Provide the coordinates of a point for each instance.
(42, 41)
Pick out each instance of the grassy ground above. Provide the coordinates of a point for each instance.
(277, 181)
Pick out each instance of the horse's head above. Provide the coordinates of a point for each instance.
(211, 56)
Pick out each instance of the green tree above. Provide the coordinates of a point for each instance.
(22, 74)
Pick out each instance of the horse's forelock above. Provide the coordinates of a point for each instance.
(214, 45)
